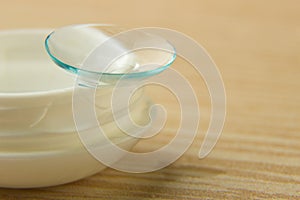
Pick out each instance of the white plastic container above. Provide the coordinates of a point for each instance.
(39, 145)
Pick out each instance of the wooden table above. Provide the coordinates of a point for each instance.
(256, 45)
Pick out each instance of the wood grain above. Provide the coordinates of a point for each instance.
(256, 45)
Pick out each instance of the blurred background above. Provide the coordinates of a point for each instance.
(256, 46)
